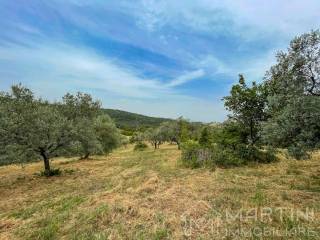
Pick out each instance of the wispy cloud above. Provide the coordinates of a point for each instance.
(190, 76)
(61, 68)
(161, 57)
(285, 17)
(79, 67)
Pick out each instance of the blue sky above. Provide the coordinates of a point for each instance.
(160, 58)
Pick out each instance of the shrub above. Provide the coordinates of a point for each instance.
(51, 172)
(268, 155)
(190, 154)
(298, 152)
(226, 158)
(140, 146)
(194, 155)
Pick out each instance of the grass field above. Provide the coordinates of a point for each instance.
(148, 195)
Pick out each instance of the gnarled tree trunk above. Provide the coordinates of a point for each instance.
(46, 161)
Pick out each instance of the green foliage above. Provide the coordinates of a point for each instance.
(183, 130)
(230, 134)
(51, 172)
(225, 146)
(158, 136)
(140, 146)
(30, 128)
(86, 139)
(124, 140)
(194, 156)
(247, 105)
(137, 137)
(107, 133)
(178, 131)
(155, 137)
(294, 97)
(81, 110)
(225, 157)
(190, 154)
(80, 106)
(206, 139)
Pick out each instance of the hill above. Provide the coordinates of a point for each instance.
(148, 195)
(130, 121)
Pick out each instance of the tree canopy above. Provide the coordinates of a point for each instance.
(247, 106)
(31, 128)
(293, 85)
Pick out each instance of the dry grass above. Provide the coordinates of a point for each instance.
(148, 195)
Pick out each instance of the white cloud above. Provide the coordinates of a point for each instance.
(243, 17)
(86, 69)
(212, 65)
(80, 67)
(53, 69)
(186, 78)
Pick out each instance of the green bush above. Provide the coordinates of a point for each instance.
(226, 158)
(194, 155)
(52, 172)
(253, 154)
(190, 154)
(298, 152)
(140, 146)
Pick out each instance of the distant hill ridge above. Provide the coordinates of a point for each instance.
(128, 120)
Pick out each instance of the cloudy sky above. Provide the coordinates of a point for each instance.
(156, 57)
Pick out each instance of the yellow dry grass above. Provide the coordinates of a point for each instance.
(148, 195)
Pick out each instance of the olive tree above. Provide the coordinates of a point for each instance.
(107, 134)
(30, 128)
(155, 136)
(85, 139)
(176, 131)
(81, 110)
(293, 85)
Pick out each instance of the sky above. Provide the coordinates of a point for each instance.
(159, 58)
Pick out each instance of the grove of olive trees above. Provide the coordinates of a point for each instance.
(31, 128)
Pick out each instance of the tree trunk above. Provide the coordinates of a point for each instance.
(46, 162)
(86, 156)
(155, 145)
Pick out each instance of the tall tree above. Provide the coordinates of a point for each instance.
(82, 110)
(247, 105)
(293, 85)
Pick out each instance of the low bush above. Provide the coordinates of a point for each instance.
(225, 157)
(190, 154)
(140, 146)
(52, 172)
(194, 155)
